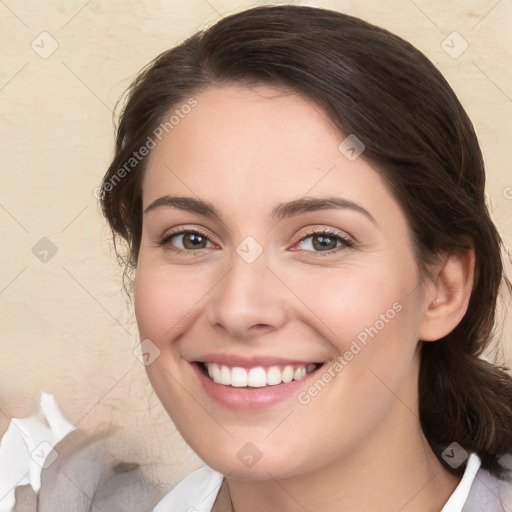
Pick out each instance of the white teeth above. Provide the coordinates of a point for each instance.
(214, 372)
(256, 377)
(300, 373)
(287, 374)
(273, 376)
(225, 375)
(238, 377)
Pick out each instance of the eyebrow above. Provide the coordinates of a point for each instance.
(280, 212)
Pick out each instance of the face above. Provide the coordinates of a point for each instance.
(279, 295)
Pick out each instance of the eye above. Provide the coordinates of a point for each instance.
(325, 241)
(194, 241)
(186, 240)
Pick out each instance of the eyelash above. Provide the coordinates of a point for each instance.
(345, 241)
(166, 239)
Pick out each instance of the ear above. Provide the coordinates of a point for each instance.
(447, 295)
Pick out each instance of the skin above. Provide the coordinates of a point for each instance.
(358, 444)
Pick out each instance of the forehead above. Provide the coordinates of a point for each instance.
(248, 129)
(250, 148)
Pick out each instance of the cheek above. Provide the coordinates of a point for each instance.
(164, 299)
(350, 300)
(368, 313)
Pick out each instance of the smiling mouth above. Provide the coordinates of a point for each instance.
(258, 376)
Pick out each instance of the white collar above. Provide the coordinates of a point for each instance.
(458, 499)
(199, 489)
(196, 492)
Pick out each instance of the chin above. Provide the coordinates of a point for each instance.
(249, 463)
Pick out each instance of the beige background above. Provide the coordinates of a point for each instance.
(66, 327)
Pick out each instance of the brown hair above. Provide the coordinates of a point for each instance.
(417, 135)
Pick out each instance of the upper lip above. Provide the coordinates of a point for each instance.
(233, 360)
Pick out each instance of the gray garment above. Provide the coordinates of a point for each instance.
(489, 494)
(86, 477)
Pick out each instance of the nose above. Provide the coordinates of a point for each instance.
(248, 301)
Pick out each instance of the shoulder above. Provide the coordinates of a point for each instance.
(490, 493)
(197, 492)
(86, 466)
(81, 473)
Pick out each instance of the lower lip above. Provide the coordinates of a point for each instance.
(250, 399)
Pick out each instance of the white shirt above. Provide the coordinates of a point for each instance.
(197, 492)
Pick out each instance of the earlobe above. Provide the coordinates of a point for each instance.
(447, 299)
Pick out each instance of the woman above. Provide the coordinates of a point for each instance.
(316, 271)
